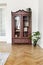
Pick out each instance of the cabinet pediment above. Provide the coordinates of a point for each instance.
(21, 12)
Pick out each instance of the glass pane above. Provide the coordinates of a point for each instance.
(25, 25)
(17, 26)
(17, 21)
(26, 20)
(25, 32)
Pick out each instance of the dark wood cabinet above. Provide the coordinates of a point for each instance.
(21, 27)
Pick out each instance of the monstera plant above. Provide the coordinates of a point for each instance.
(35, 37)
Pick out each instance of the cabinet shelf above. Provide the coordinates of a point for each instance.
(17, 34)
(17, 30)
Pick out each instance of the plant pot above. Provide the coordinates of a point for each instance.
(34, 44)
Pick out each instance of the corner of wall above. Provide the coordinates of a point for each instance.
(41, 46)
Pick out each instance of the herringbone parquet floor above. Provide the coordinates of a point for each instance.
(23, 54)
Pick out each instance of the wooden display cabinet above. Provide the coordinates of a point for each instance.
(21, 27)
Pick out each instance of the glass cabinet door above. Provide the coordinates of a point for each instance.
(25, 26)
(17, 26)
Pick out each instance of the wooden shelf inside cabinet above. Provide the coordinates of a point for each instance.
(17, 31)
(21, 23)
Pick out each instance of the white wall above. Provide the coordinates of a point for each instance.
(40, 21)
(14, 5)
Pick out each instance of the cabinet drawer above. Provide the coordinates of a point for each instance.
(21, 40)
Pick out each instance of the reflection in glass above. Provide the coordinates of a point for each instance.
(17, 21)
(17, 24)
